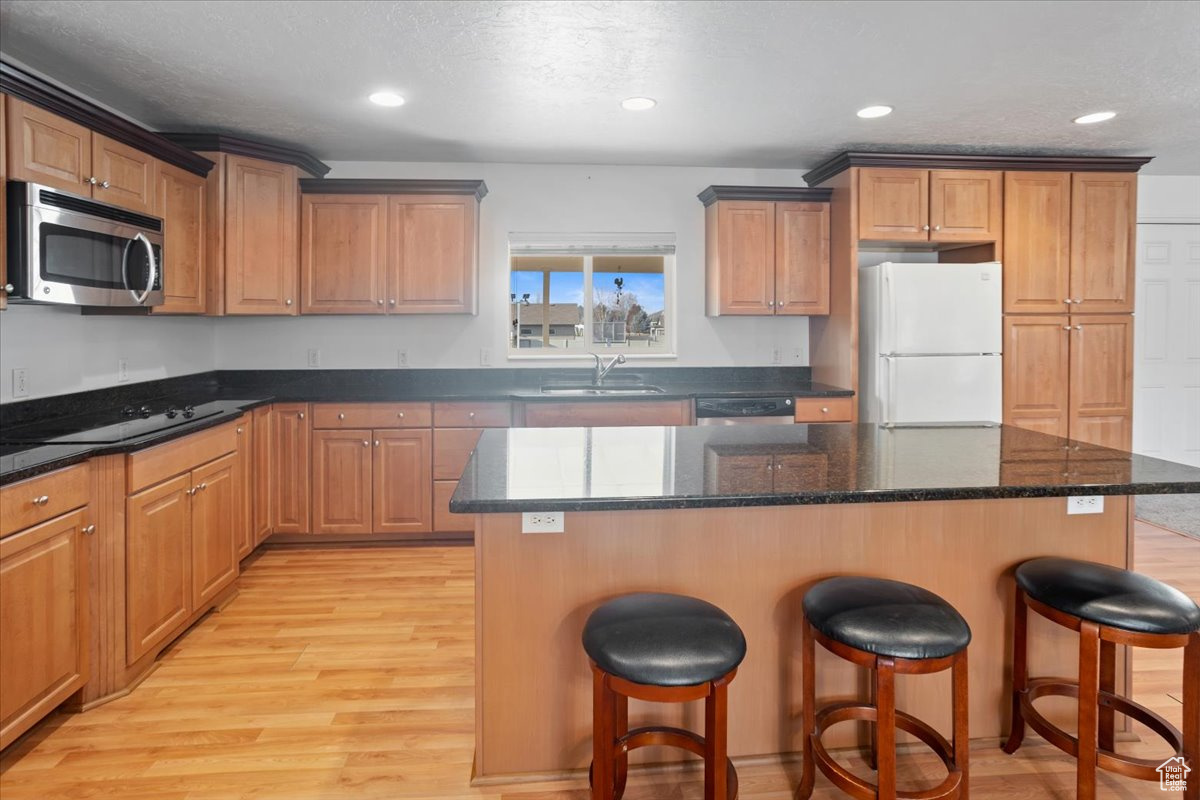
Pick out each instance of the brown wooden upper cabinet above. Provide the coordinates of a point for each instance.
(1071, 376)
(48, 149)
(254, 209)
(390, 246)
(939, 205)
(1069, 242)
(180, 201)
(766, 256)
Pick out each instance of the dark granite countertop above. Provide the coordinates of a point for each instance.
(595, 469)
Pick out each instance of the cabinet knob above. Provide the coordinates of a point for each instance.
(471, 415)
(89, 529)
(377, 443)
(770, 304)
(1078, 300)
(341, 416)
(288, 301)
(937, 227)
(204, 486)
(1066, 327)
(366, 443)
(91, 180)
(400, 415)
(782, 304)
(392, 302)
(1078, 327)
(190, 492)
(239, 430)
(925, 227)
(1068, 301)
(824, 410)
(8, 288)
(300, 415)
(380, 301)
(41, 501)
(104, 184)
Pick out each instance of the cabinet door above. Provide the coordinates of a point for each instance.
(965, 205)
(1037, 242)
(802, 258)
(261, 263)
(45, 148)
(1103, 219)
(893, 204)
(341, 481)
(3, 202)
(403, 481)
(746, 255)
(290, 435)
(158, 555)
(43, 621)
(432, 253)
(1102, 380)
(125, 176)
(443, 520)
(1036, 373)
(243, 517)
(801, 472)
(261, 475)
(343, 238)
(179, 200)
(732, 473)
(215, 509)
(451, 450)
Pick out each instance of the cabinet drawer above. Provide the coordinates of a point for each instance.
(443, 520)
(824, 409)
(345, 416)
(38, 499)
(147, 467)
(472, 415)
(451, 449)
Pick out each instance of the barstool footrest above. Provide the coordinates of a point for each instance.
(858, 787)
(1140, 768)
(666, 736)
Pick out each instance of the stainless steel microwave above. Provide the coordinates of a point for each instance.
(68, 249)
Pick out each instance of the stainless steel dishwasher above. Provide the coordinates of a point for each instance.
(745, 411)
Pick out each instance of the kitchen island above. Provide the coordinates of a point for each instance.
(747, 517)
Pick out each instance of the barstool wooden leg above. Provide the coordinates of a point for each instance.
(962, 734)
(1191, 715)
(1089, 700)
(872, 750)
(602, 737)
(716, 763)
(1106, 719)
(885, 727)
(620, 728)
(809, 723)
(1020, 678)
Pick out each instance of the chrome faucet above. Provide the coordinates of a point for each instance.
(603, 369)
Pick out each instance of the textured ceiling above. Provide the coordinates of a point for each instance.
(739, 83)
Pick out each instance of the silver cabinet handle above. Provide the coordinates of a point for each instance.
(90, 529)
(925, 228)
(288, 301)
(341, 416)
(41, 501)
(300, 415)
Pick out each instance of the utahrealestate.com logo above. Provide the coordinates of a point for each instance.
(1172, 775)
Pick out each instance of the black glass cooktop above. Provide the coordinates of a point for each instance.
(107, 428)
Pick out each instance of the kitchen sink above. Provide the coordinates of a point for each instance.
(587, 390)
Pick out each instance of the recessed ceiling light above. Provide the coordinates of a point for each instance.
(871, 112)
(1099, 116)
(386, 99)
(638, 103)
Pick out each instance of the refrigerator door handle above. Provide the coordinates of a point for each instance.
(889, 398)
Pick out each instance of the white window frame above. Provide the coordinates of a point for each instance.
(589, 245)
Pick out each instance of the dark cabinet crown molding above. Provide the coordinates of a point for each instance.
(236, 145)
(40, 92)
(392, 186)
(844, 161)
(780, 193)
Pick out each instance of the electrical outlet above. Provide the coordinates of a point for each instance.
(485, 356)
(1089, 504)
(20, 382)
(542, 522)
(402, 358)
(122, 370)
(797, 355)
(314, 357)
(776, 355)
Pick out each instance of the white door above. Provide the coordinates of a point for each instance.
(1166, 336)
(940, 308)
(931, 389)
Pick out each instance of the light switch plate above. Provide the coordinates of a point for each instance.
(542, 522)
(314, 357)
(1088, 504)
(122, 370)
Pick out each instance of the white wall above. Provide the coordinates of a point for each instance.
(1169, 198)
(64, 351)
(544, 199)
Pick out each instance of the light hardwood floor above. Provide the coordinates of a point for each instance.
(348, 674)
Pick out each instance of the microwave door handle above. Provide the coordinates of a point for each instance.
(152, 273)
(125, 267)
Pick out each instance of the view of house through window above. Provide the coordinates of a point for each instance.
(589, 299)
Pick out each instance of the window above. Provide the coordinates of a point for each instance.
(570, 296)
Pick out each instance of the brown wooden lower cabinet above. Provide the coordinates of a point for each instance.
(443, 520)
(260, 477)
(290, 441)
(402, 481)
(44, 629)
(341, 481)
(215, 509)
(1071, 376)
(244, 483)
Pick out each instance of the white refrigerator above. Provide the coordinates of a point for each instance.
(930, 338)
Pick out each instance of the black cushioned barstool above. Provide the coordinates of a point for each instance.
(1108, 606)
(891, 628)
(665, 648)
